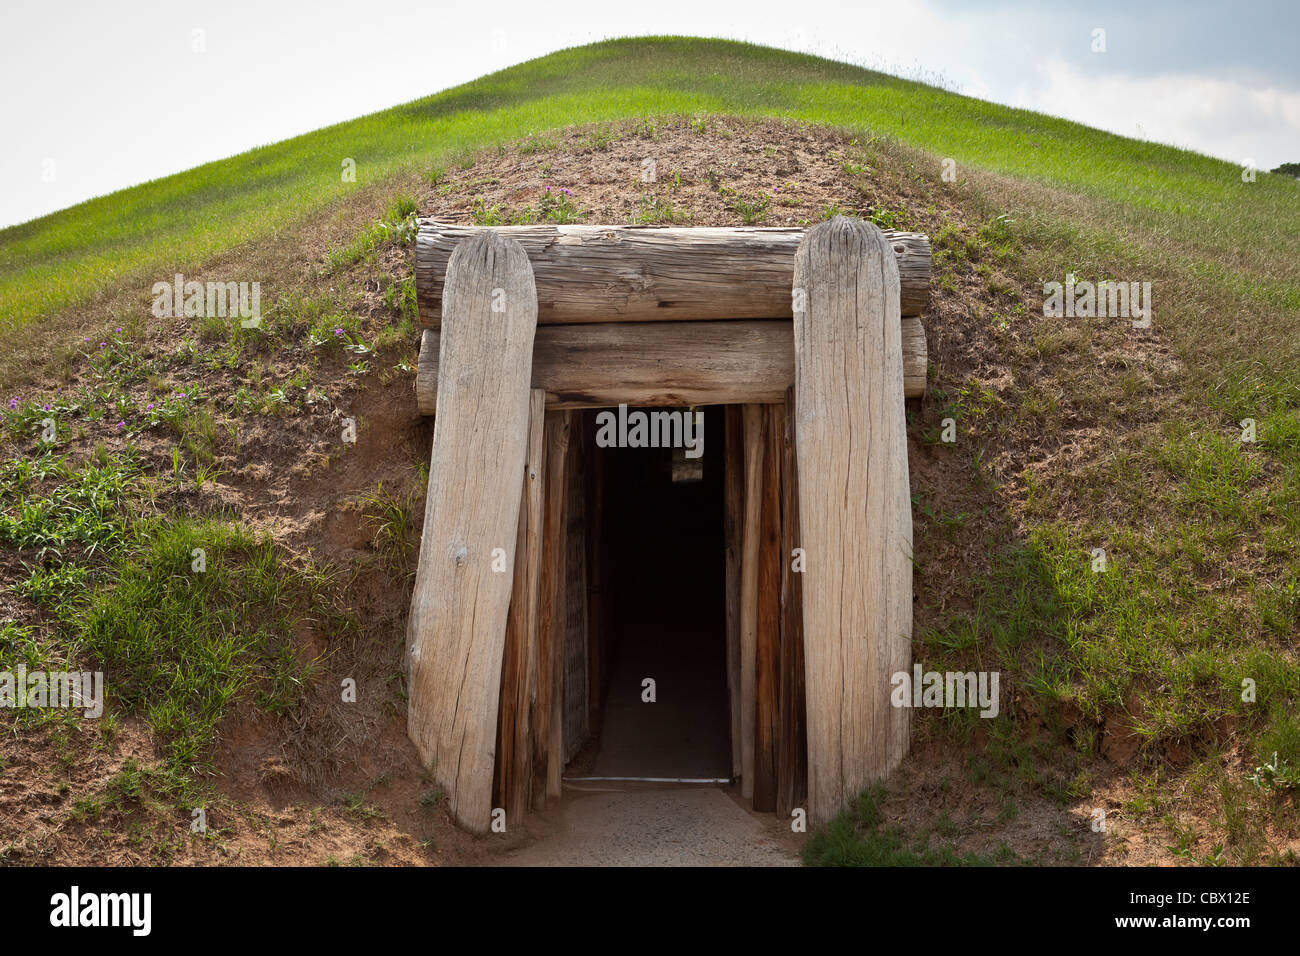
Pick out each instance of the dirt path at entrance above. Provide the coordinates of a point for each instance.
(669, 827)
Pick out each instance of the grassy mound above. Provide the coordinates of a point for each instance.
(1159, 684)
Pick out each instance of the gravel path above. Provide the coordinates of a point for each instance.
(671, 827)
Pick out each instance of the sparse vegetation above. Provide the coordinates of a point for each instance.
(859, 837)
(656, 211)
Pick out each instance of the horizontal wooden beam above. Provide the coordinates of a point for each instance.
(665, 363)
(655, 273)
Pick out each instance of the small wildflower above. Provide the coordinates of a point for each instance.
(103, 345)
(13, 403)
(118, 329)
(121, 425)
(149, 407)
(338, 331)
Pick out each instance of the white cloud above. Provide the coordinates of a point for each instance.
(1216, 116)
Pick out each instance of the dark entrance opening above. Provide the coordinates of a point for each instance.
(663, 583)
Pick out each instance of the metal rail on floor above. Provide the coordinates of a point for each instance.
(647, 779)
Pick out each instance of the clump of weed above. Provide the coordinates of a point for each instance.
(398, 226)
(393, 521)
(484, 215)
(751, 210)
(557, 205)
(656, 211)
(601, 140)
(858, 837)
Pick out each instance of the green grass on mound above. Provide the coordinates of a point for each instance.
(140, 234)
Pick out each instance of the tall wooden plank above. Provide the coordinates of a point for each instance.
(457, 626)
(768, 636)
(733, 530)
(512, 786)
(792, 741)
(854, 507)
(594, 473)
(755, 441)
(548, 740)
(576, 654)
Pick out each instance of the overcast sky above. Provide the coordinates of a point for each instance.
(96, 99)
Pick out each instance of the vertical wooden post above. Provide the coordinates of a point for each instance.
(792, 741)
(548, 735)
(576, 657)
(754, 443)
(457, 626)
(767, 654)
(594, 474)
(854, 507)
(512, 787)
(733, 529)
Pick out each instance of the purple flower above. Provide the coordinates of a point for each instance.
(103, 345)
(13, 403)
(338, 331)
(121, 425)
(118, 329)
(150, 407)
(85, 338)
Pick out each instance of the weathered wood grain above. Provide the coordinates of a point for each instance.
(459, 608)
(792, 740)
(548, 732)
(512, 785)
(666, 363)
(768, 644)
(734, 533)
(755, 441)
(597, 630)
(576, 652)
(655, 273)
(854, 509)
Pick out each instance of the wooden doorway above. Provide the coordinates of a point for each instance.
(502, 641)
(657, 568)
